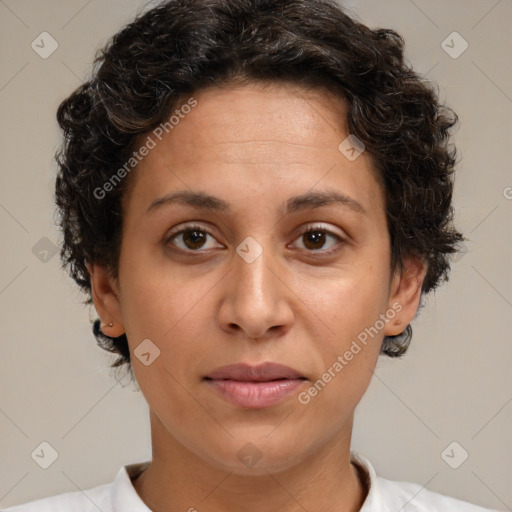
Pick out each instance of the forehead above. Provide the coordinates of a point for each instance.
(256, 136)
(264, 117)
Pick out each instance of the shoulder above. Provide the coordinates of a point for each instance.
(117, 495)
(418, 499)
(392, 495)
(91, 500)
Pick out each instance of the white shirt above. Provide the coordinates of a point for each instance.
(120, 496)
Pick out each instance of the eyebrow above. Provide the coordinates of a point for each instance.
(309, 200)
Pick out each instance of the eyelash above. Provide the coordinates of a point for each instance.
(312, 229)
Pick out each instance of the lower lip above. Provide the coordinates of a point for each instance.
(256, 395)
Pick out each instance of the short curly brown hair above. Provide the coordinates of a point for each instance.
(183, 46)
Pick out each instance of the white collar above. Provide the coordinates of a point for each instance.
(124, 495)
(374, 500)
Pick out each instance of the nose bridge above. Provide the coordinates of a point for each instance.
(256, 299)
(253, 275)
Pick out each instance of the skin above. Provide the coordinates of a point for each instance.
(254, 146)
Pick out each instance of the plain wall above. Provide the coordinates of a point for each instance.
(454, 384)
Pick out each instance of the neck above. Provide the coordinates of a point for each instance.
(177, 479)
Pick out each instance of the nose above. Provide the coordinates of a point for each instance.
(256, 302)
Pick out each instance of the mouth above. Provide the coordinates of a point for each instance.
(257, 386)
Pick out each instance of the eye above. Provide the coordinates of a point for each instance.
(195, 238)
(191, 239)
(316, 237)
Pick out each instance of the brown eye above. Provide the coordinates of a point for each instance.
(315, 240)
(192, 239)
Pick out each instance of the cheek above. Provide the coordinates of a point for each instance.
(171, 308)
(347, 301)
(348, 347)
(348, 339)
(154, 293)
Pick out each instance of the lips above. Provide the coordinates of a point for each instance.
(260, 373)
(253, 387)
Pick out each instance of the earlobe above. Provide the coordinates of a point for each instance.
(105, 294)
(405, 294)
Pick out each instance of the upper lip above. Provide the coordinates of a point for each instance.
(259, 373)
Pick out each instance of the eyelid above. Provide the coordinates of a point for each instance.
(321, 226)
(186, 227)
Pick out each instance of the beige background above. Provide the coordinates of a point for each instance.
(454, 384)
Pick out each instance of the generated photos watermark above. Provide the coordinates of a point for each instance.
(137, 156)
(343, 360)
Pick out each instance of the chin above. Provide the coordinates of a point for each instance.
(255, 457)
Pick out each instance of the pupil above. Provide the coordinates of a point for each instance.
(197, 238)
(317, 238)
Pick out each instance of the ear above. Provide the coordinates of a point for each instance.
(405, 294)
(105, 294)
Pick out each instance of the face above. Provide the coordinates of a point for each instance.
(287, 262)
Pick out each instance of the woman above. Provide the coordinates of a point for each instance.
(255, 195)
